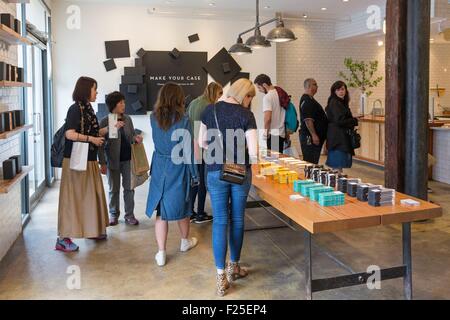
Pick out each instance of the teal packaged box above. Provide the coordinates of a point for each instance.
(304, 190)
(299, 183)
(315, 192)
(332, 199)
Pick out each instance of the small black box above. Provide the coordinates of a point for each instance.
(174, 53)
(194, 38)
(2, 123)
(133, 89)
(3, 67)
(226, 67)
(9, 169)
(135, 79)
(20, 77)
(17, 26)
(9, 121)
(7, 20)
(8, 72)
(135, 71)
(13, 74)
(18, 162)
(138, 62)
(141, 53)
(19, 120)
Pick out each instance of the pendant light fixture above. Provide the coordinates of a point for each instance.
(281, 33)
(258, 41)
(239, 48)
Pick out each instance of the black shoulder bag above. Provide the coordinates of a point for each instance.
(355, 139)
(232, 173)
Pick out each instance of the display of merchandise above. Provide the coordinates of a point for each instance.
(299, 183)
(315, 192)
(362, 192)
(332, 199)
(379, 197)
(304, 190)
(352, 188)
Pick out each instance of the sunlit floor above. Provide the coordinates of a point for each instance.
(123, 267)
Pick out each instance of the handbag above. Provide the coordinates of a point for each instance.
(231, 172)
(80, 151)
(139, 159)
(355, 139)
(137, 180)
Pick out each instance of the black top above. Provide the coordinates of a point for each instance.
(125, 147)
(311, 109)
(230, 117)
(340, 121)
(91, 128)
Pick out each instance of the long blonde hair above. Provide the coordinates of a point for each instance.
(241, 89)
(212, 91)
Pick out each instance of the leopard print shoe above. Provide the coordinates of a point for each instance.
(234, 271)
(222, 284)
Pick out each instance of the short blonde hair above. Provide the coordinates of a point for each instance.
(241, 89)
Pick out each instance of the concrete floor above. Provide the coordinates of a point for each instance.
(123, 267)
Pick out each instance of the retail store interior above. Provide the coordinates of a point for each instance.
(49, 44)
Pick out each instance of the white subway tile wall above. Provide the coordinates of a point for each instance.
(316, 54)
(10, 204)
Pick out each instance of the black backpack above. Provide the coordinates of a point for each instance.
(59, 142)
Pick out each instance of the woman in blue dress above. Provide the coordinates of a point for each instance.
(173, 169)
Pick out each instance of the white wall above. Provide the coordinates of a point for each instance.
(82, 52)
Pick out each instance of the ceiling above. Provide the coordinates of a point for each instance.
(336, 9)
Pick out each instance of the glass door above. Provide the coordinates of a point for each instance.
(35, 112)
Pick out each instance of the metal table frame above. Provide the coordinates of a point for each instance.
(354, 279)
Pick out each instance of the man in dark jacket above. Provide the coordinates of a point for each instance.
(314, 124)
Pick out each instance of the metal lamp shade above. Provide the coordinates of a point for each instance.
(239, 48)
(257, 41)
(281, 34)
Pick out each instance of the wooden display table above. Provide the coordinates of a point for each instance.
(353, 215)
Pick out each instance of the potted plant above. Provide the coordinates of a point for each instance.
(361, 77)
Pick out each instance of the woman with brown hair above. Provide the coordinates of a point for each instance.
(211, 95)
(173, 170)
(82, 211)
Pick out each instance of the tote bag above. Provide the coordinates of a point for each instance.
(80, 150)
(139, 159)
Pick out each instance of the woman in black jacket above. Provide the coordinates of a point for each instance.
(340, 123)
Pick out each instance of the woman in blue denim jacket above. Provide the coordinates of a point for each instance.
(228, 199)
(172, 169)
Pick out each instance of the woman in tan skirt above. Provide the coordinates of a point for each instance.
(82, 211)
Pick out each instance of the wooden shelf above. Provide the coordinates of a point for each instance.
(16, 131)
(12, 37)
(7, 185)
(12, 84)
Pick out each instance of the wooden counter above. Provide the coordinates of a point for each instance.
(372, 131)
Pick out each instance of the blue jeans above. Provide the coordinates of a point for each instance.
(228, 203)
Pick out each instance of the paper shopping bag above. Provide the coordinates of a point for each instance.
(79, 156)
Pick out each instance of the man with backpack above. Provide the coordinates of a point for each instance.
(279, 114)
(314, 124)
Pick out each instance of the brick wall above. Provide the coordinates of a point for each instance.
(10, 204)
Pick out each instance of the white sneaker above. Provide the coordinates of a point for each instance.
(188, 244)
(160, 258)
